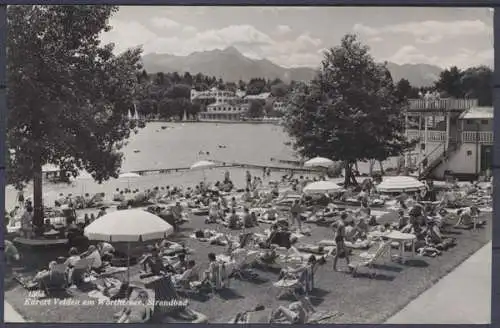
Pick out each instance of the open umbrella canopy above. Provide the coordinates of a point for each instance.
(321, 187)
(202, 165)
(128, 175)
(319, 162)
(400, 184)
(128, 226)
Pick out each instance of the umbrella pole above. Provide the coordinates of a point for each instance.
(128, 262)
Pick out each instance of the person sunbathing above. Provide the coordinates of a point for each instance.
(296, 313)
(43, 275)
(153, 263)
(234, 220)
(361, 229)
(95, 258)
(249, 219)
(139, 313)
(106, 250)
(182, 264)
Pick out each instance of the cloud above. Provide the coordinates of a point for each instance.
(283, 29)
(429, 31)
(376, 39)
(462, 58)
(164, 22)
(300, 51)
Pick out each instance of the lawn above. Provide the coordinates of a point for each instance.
(358, 300)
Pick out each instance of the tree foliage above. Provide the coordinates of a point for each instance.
(474, 82)
(68, 94)
(349, 112)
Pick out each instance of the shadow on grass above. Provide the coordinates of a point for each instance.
(416, 263)
(229, 294)
(386, 267)
(267, 268)
(377, 276)
(196, 296)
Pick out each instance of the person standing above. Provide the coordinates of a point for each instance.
(295, 212)
(27, 222)
(249, 180)
(20, 198)
(340, 241)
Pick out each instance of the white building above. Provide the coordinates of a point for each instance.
(218, 96)
(279, 106)
(455, 137)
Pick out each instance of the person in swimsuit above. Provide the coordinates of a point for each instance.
(340, 241)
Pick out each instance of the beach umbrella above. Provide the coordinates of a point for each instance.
(128, 176)
(400, 184)
(319, 162)
(128, 226)
(202, 165)
(321, 187)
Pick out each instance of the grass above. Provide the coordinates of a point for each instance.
(359, 299)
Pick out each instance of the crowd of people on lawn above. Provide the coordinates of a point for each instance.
(259, 224)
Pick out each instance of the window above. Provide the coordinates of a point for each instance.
(468, 122)
(469, 152)
(484, 122)
(422, 146)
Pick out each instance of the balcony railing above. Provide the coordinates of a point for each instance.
(441, 104)
(481, 137)
(432, 136)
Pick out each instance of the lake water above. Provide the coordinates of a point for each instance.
(179, 146)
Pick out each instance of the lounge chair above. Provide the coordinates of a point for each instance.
(368, 260)
(218, 278)
(56, 281)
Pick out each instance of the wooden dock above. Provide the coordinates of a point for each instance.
(222, 164)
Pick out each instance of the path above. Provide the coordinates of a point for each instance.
(461, 297)
(11, 315)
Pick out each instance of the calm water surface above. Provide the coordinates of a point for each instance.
(179, 145)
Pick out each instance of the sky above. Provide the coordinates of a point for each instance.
(298, 36)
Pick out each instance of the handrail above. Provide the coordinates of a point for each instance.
(432, 152)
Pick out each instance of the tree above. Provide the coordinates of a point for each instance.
(450, 82)
(279, 90)
(349, 112)
(477, 83)
(256, 86)
(68, 94)
(255, 109)
(405, 91)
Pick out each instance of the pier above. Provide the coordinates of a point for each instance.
(222, 164)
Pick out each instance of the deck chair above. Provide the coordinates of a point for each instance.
(218, 278)
(243, 263)
(368, 260)
(56, 281)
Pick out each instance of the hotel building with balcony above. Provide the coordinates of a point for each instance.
(455, 137)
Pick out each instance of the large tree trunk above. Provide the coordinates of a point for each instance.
(349, 178)
(37, 193)
(347, 173)
(371, 166)
(381, 167)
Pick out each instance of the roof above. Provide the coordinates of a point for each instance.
(476, 113)
(264, 95)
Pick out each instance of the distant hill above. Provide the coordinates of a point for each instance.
(231, 65)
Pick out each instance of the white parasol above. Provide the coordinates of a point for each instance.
(202, 165)
(128, 176)
(128, 226)
(400, 184)
(319, 162)
(321, 187)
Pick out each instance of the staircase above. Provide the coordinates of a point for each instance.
(436, 162)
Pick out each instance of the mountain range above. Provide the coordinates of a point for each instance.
(231, 65)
